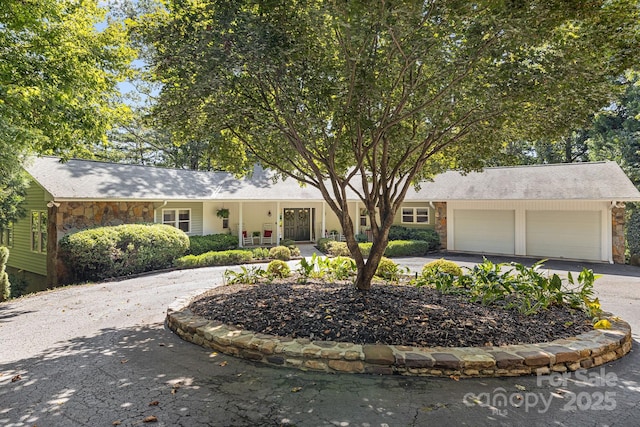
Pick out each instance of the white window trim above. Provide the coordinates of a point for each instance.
(177, 216)
(414, 215)
(40, 249)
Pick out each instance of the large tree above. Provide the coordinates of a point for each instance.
(60, 63)
(371, 97)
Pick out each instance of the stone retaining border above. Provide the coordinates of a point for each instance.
(570, 354)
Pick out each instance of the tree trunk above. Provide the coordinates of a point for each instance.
(367, 271)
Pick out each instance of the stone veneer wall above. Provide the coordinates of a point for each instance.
(584, 351)
(75, 216)
(441, 223)
(617, 238)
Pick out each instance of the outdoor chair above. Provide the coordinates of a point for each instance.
(267, 234)
(246, 239)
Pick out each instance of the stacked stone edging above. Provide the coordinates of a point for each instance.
(569, 354)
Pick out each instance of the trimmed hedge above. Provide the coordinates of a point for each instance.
(213, 242)
(395, 248)
(104, 252)
(211, 259)
(429, 235)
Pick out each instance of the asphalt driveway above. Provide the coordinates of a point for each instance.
(99, 355)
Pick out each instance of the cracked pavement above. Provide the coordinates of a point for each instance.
(99, 354)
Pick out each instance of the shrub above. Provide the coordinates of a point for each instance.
(341, 267)
(104, 252)
(633, 231)
(323, 244)
(407, 248)
(246, 275)
(282, 253)
(338, 248)
(362, 238)
(211, 259)
(279, 269)
(5, 286)
(442, 266)
(260, 253)
(212, 242)
(388, 270)
(399, 232)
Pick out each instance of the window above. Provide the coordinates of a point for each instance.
(179, 218)
(6, 236)
(363, 217)
(39, 231)
(415, 215)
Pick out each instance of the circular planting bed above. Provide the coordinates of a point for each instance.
(391, 330)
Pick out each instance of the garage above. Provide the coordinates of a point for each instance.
(564, 234)
(490, 231)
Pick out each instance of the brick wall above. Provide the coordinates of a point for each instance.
(617, 231)
(441, 223)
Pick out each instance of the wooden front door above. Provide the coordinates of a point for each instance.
(296, 224)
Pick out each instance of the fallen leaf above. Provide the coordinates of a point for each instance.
(116, 423)
(161, 344)
(454, 377)
(150, 419)
(223, 363)
(174, 391)
(16, 378)
(296, 389)
(154, 403)
(124, 361)
(520, 387)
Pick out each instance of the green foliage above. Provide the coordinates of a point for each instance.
(210, 259)
(338, 248)
(307, 269)
(212, 242)
(340, 267)
(389, 270)
(442, 266)
(399, 232)
(246, 275)
(362, 238)
(5, 285)
(323, 244)
(278, 269)
(60, 74)
(18, 285)
(516, 286)
(633, 231)
(103, 252)
(398, 90)
(280, 252)
(260, 253)
(407, 248)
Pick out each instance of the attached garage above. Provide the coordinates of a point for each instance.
(571, 211)
(490, 231)
(564, 234)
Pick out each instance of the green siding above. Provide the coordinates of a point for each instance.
(196, 215)
(20, 255)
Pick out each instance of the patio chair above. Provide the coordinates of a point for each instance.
(267, 234)
(246, 239)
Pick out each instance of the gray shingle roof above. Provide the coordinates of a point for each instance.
(84, 179)
(572, 181)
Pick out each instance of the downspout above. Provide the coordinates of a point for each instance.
(159, 208)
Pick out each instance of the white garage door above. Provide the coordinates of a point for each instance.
(564, 234)
(490, 231)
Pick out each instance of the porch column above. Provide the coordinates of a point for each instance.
(324, 218)
(240, 227)
(278, 223)
(357, 218)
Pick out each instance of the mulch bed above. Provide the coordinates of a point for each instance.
(386, 314)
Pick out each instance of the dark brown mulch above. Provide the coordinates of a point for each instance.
(387, 314)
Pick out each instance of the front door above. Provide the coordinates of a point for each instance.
(296, 224)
